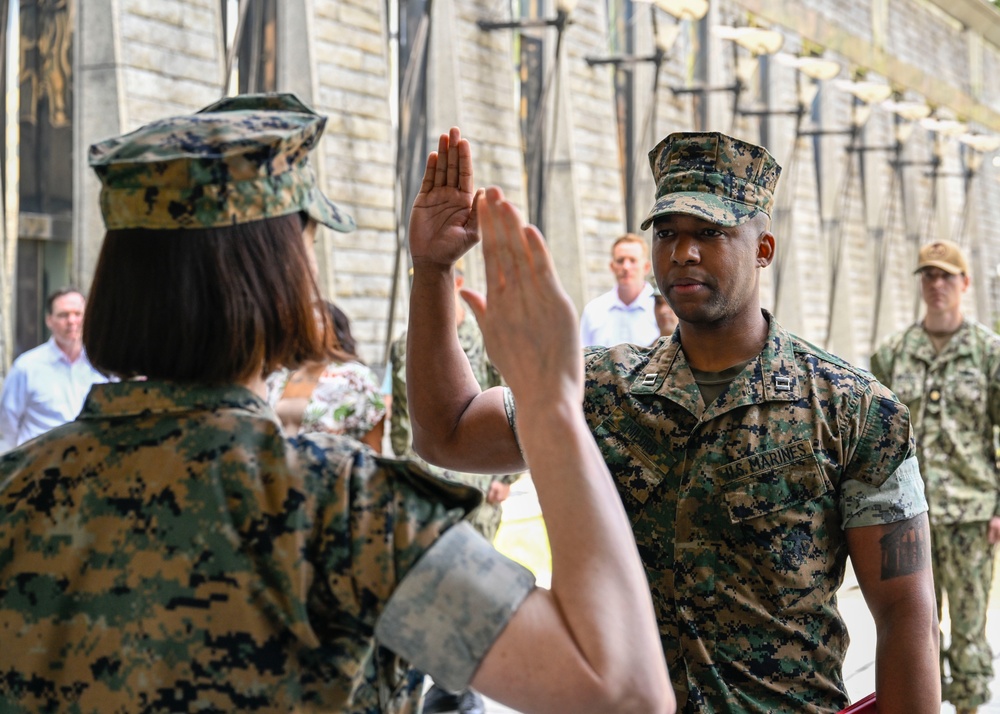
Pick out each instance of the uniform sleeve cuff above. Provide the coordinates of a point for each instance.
(511, 410)
(452, 605)
(901, 497)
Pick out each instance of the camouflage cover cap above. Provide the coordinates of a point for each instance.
(945, 255)
(239, 160)
(712, 176)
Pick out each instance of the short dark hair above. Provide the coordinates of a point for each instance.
(56, 294)
(214, 305)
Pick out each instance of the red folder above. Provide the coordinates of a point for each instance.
(862, 706)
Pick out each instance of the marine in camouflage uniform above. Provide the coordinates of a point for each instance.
(170, 551)
(741, 498)
(486, 518)
(954, 398)
(739, 509)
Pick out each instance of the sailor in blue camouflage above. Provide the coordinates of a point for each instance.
(171, 551)
(742, 488)
(948, 374)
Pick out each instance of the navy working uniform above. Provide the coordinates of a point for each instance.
(954, 399)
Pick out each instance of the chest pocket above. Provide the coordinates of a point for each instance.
(782, 509)
(970, 389)
(908, 387)
(637, 460)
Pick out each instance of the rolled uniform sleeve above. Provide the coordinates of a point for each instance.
(900, 497)
(882, 482)
(386, 530)
(451, 607)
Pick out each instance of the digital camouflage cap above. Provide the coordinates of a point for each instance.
(242, 159)
(712, 176)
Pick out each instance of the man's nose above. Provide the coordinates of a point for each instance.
(685, 250)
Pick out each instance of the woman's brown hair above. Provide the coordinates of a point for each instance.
(215, 305)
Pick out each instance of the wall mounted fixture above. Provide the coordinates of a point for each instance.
(683, 9)
(564, 8)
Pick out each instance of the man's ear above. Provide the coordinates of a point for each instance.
(765, 249)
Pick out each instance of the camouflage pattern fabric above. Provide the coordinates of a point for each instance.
(963, 569)
(171, 551)
(954, 400)
(713, 177)
(240, 160)
(463, 574)
(735, 507)
(486, 518)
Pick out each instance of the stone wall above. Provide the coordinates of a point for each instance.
(159, 58)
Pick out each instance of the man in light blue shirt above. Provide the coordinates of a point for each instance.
(46, 386)
(624, 314)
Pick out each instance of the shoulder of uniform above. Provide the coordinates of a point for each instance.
(620, 359)
(985, 334)
(803, 347)
(451, 494)
(892, 343)
(336, 454)
(805, 351)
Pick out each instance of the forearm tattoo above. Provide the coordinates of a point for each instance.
(905, 549)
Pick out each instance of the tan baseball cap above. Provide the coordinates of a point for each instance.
(945, 255)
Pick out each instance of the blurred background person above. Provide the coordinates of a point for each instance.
(337, 395)
(46, 386)
(495, 489)
(666, 319)
(946, 370)
(624, 314)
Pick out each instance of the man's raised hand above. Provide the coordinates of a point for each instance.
(443, 223)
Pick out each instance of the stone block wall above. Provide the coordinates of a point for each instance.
(153, 59)
(171, 58)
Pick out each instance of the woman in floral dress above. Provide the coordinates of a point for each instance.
(337, 396)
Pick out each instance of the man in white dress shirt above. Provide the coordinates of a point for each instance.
(625, 313)
(46, 386)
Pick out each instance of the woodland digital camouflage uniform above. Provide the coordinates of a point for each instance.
(711, 176)
(486, 518)
(954, 400)
(170, 551)
(739, 510)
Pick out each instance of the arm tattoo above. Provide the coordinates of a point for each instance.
(904, 550)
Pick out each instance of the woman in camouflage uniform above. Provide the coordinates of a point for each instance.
(170, 551)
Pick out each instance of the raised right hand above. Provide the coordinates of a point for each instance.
(443, 224)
